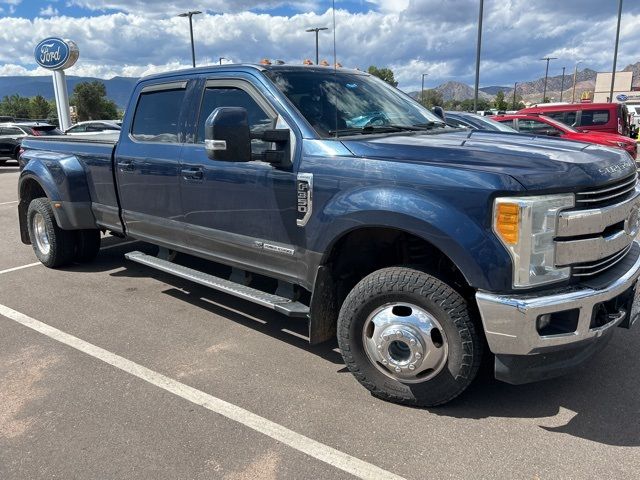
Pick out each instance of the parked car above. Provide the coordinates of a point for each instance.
(588, 117)
(475, 122)
(415, 244)
(543, 125)
(12, 133)
(91, 127)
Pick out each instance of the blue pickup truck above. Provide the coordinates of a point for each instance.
(334, 198)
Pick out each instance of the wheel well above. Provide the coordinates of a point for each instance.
(363, 251)
(29, 190)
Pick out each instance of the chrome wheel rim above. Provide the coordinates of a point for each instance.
(40, 232)
(405, 342)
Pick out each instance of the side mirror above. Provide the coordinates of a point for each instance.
(227, 136)
(439, 111)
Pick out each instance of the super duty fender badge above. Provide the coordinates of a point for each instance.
(304, 200)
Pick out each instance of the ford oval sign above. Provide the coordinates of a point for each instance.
(622, 98)
(56, 54)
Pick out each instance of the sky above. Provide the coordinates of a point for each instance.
(412, 37)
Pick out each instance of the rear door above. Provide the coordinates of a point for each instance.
(148, 164)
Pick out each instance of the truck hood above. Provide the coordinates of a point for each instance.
(538, 163)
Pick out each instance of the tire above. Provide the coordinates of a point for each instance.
(53, 246)
(88, 245)
(404, 316)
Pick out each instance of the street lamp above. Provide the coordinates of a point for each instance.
(190, 14)
(615, 53)
(316, 29)
(575, 74)
(478, 48)
(515, 88)
(562, 84)
(546, 75)
(221, 58)
(422, 91)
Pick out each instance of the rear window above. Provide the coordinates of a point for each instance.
(157, 115)
(594, 117)
(45, 130)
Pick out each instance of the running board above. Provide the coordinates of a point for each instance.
(274, 302)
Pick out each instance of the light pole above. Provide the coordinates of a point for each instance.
(316, 29)
(546, 75)
(422, 91)
(478, 49)
(562, 84)
(575, 74)
(221, 58)
(515, 87)
(615, 53)
(190, 14)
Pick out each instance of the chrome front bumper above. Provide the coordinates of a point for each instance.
(510, 320)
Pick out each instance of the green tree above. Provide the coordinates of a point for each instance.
(431, 98)
(39, 107)
(91, 102)
(385, 74)
(15, 106)
(467, 105)
(500, 103)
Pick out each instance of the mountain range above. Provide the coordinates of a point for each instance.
(119, 88)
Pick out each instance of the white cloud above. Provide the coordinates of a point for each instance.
(49, 11)
(414, 37)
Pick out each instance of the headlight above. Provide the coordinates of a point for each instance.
(622, 144)
(526, 226)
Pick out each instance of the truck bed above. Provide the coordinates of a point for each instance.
(88, 165)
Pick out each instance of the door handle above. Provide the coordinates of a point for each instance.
(127, 166)
(193, 173)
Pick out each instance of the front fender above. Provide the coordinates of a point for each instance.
(64, 181)
(458, 229)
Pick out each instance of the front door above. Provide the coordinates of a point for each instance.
(244, 213)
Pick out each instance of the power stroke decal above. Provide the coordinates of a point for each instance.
(304, 191)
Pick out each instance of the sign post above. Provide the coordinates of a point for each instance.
(57, 55)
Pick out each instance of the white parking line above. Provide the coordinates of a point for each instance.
(313, 448)
(19, 268)
(9, 203)
(38, 263)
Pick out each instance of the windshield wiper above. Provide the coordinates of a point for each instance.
(383, 128)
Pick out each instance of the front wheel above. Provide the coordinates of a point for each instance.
(409, 338)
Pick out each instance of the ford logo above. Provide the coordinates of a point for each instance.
(622, 97)
(56, 54)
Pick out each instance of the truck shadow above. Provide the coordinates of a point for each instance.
(598, 403)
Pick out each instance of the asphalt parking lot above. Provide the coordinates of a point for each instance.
(147, 376)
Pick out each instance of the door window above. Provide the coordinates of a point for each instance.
(157, 115)
(78, 129)
(215, 97)
(536, 127)
(11, 131)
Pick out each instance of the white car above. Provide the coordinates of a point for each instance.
(91, 127)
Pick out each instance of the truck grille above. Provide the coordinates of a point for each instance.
(608, 194)
(589, 269)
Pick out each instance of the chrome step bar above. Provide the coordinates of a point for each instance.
(283, 305)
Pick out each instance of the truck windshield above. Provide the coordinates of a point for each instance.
(343, 103)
